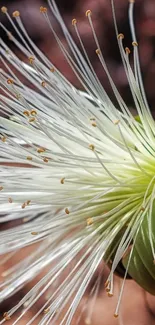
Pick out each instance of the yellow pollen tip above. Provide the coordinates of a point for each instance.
(116, 122)
(134, 44)
(32, 119)
(52, 69)
(43, 83)
(34, 233)
(127, 50)
(89, 221)
(92, 147)
(1, 188)
(74, 21)
(10, 81)
(94, 124)
(10, 200)
(33, 112)
(62, 180)
(43, 10)
(16, 13)
(120, 36)
(110, 294)
(45, 160)
(67, 211)
(4, 10)
(98, 52)
(29, 158)
(26, 113)
(31, 59)
(107, 290)
(6, 316)
(40, 150)
(88, 13)
(115, 315)
(3, 139)
(46, 310)
(28, 202)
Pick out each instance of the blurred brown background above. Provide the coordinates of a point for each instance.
(102, 18)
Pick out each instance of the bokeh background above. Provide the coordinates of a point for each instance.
(102, 18)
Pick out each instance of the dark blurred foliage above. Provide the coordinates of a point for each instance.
(103, 22)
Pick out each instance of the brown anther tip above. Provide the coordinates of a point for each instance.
(120, 36)
(10, 81)
(32, 119)
(16, 13)
(10, 200)
(34, 233)
(92, 147)
(62, 180)
(94, 124)
(74, 21)
(67, 211)
(1, 188)
(46, 310)
(52, 69)
(142, 209)
(115, 315)
(33, 112)
(88, 13)
(89, 221)
(23, 205)
(134, 44)
(43, 83)
(4, 10)
(116, 122)
(3, 139)
(40, 150)
(106, 283)
(28, 202)
(110, 294)
(98, 52)
(107, 290)
(43, 10)
(92, 119)
(26, 113)
(127, 50)
(31, 59)
(29, 158)
(45, 160)
(6, 316)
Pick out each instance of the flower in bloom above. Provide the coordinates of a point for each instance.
(77, 174)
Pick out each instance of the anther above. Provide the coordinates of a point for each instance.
(46, 310)
(94, 124)
(32, 119)
(3, 139)
(43, 10)
(6, 316)
(134, 44)
(67, 211)
(43, 83)
(92, 119)
(31, 59)
(4, 10)
(89, 221)
(120, 36)
(23, 205)
(1, 188)
(28, 202)
(127, 50)
(10, 81)
(142, 209)
(10, 200)
(16, 13)
(110, 294)
(9, 35)
(106, 283)
(34, 233)
(29, 158)
(26, 113)
(45, 160)
(40, 150)
(33, 112)
(88, 13)
(62, 180)
(74, 21)
(98, 52)
(92, 147)
(87, 321)
(52, 69)
(115, 315)
(116, 122)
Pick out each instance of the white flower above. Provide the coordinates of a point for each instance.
(77, 173)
